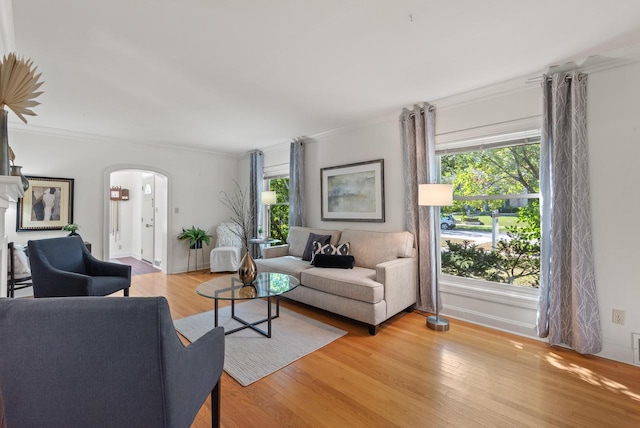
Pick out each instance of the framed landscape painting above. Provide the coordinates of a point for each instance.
(47, 204)
(353, 192)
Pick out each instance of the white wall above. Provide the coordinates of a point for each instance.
(380, 140)
(195, 181)
(614, 152)
(161, 204)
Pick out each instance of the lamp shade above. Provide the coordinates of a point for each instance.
(268, 197)
(435, 195)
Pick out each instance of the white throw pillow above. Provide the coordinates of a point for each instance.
(226, 236)
(20, 259)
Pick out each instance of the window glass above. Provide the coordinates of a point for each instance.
(279, 213)
(492, 230)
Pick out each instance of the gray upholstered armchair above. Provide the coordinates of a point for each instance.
(112, 362)
(62, 267)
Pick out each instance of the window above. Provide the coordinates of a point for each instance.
(492, 231)
(279, 213)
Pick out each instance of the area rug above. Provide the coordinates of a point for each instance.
(250, 356)
(138, 267)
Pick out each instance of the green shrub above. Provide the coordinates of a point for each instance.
(514, 261)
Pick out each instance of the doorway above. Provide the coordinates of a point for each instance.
(138, 224)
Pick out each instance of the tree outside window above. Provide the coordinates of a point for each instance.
(496, 210)
(279, 215)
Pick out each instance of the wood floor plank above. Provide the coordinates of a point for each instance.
(410, 376)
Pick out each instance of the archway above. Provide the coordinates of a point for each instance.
(136, 226)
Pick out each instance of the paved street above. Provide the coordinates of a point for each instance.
(478, 237)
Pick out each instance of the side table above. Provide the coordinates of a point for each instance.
(263, 242)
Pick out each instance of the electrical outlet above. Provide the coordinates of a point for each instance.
(636, 348)
(617, 316)
(176, 210)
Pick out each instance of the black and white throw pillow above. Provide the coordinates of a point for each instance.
(330, 250)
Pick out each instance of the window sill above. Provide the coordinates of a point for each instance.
(505, 294)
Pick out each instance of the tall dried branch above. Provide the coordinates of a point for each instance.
(239, 212)
(18, 85)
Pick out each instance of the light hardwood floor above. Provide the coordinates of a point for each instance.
(409, 376)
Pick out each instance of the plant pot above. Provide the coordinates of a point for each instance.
(196, 246)
(248, 269)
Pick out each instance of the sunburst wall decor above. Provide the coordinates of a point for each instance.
(18, 90)
(18, 85)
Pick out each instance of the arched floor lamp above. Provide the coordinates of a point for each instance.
(435, 196)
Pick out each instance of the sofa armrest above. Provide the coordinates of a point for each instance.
(275, 251)
(400, 279)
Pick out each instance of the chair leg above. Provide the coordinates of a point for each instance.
(215, 405)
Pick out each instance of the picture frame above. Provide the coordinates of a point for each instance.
(353, 192)
(46, 205)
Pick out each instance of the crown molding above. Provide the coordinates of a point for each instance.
(103, 139)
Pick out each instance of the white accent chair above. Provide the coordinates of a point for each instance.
(227, 254)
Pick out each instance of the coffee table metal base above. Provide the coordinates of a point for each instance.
(251, 325)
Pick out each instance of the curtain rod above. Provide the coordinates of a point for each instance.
(549, 79)
(413, 114)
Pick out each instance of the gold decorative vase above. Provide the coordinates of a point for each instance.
(248, 270)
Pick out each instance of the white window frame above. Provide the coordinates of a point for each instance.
(266, 184)
(489, 137)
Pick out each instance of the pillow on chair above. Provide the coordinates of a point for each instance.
(20, 259)
(227, 237)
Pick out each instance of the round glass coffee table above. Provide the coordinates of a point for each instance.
(267, 285)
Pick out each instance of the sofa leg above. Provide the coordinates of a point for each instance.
(410, 308)
(215, 405)
(373, 330)
(126, 292)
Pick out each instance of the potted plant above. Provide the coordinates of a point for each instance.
(196, 236)
(72, 228)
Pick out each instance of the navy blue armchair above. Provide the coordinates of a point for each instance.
(112, 362)
(62, 267)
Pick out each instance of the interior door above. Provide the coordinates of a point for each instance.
(148, 219)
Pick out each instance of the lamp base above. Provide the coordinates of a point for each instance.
(438, 323)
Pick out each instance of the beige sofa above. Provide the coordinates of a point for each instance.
(382, 283)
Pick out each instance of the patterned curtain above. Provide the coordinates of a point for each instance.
(417, 132)
(296, 183)
(568, 310)
(256, 163)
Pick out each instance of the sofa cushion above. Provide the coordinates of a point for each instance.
(357, 283)
(299, 235)
(286, 264)
(309, 248)
(372, 248)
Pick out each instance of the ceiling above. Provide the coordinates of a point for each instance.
(235, 75)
